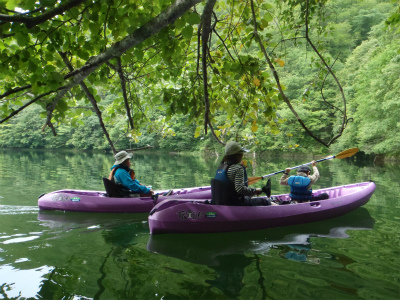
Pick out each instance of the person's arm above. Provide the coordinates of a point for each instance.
(133, 185)
(315, 176)
(236, 175)
(285, 177)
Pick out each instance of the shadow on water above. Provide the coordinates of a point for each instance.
(230, 253)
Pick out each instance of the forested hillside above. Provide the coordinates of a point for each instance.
(359, 40)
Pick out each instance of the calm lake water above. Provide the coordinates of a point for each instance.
(64, 255)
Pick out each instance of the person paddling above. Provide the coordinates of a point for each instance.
(230, 185)
(300, 184)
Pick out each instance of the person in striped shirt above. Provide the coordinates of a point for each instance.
(230, 185)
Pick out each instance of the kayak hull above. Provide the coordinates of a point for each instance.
(98, 201)
(194, 216)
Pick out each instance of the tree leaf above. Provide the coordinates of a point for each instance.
(193, 19)
(187, 32)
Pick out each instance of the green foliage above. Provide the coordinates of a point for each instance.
(163, 75)
(373, 84)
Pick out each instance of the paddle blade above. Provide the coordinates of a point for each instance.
(347, 153)
(253, 180)
(268, 188)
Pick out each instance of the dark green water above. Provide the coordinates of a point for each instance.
(57, 255)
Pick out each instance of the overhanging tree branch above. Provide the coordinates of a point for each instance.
(276, 77)
(92, 101)
(206, 25)
(33, 21)
(167, 17)
(123, 86)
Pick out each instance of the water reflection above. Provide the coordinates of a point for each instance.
(229, 254)
(75, 220)
(23, 284)
(119, 232)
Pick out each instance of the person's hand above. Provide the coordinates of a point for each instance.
(151, 191)
(258, 191)
(313, 163)
(287, 170)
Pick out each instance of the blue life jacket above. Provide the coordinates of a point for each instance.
(299, 188)
(223, 190)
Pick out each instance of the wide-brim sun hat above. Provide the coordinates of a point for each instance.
(232, 148)
(121, 156)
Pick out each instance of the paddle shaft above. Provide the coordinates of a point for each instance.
(343, 154)
(296, 167)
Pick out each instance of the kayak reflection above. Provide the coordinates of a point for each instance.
(71, 220)
(229, 254)
(207, 249)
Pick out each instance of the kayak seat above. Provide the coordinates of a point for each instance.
(114, 190)
(221, 193)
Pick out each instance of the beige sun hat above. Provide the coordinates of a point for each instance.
(121, 156)
(234, 148)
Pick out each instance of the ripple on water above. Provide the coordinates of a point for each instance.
(20, 239)
(17, 210)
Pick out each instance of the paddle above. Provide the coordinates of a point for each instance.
(343, 154)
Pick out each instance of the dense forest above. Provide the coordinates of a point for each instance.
(358, 39)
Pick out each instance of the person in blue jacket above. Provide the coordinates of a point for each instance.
(122, 174)
(301, 184)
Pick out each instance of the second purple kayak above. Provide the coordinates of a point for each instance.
(195, 216)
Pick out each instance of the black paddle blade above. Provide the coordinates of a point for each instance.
(155, 198)
(267, 188)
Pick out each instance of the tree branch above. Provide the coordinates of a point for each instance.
(344, 120)
(92, 101)
(123, 86)
(277, 80)
(24, 106)
(151, 28)
(33, 21)
(206, 22)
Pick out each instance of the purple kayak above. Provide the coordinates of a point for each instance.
(98, 201)
(196, 216)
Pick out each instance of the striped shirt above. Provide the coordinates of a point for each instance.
(236, 175)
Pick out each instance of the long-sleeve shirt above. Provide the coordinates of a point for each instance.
(236, 175)
(123, 177)
(313, 178)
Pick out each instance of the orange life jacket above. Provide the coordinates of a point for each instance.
(111, 176)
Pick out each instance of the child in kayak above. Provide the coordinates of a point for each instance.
(300, 184)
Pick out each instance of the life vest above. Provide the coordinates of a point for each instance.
(131, 173)
(299, 188)
(117, 189)
(223, 190)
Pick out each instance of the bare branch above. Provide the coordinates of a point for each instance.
(277, 80)
(24, 106)
(123, 86)
(344, 120)
(15, 90)
(206, 21)
(92, 101)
